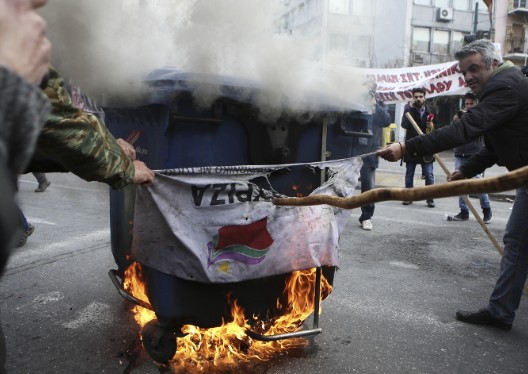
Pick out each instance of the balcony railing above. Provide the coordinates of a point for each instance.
(516, 7)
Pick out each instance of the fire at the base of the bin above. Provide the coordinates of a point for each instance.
(228, 346)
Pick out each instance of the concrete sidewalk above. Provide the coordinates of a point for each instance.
(392, 174)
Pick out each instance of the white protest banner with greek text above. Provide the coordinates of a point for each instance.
(395, 85)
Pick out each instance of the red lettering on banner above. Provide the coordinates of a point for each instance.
(429, 73)
(452, 70)
(439, 87)
(386, 96)
(462, 82)
(387, 78)
(405, 95)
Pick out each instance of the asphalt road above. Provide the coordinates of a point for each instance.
(391, 310)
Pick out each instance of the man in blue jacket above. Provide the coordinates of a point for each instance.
(501, 117)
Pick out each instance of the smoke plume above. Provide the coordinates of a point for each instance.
(109, 46)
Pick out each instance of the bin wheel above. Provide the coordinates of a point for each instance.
(159, 343)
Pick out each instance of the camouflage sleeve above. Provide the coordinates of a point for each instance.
(80, 142)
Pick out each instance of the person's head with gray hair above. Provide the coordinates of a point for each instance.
(477, 61)
(484, 47)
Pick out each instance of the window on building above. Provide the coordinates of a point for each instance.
(440, 44)
(462, 4)
(441, 3)
(421, 39)
(310, 5)
(360, 46)
(302, 13)
(291, 20)
(519, 3)
(286, 25)
(339, 6)
(422, 2)
(318, 6)
(457, 40)
(338, 43)
(358, 7)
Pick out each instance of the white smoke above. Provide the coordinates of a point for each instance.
(109, 46)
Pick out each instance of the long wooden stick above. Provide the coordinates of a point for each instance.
(505, 182)
(498, 247)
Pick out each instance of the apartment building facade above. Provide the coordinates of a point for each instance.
(388, 33)
(511, 29)
(342, 30)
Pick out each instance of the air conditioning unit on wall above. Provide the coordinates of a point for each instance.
(444, 14)
(418, 58)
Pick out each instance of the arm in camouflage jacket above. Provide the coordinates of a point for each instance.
(80, 142)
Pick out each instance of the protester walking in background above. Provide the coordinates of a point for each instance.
(380, 120)
(464, 152)
(501, 117)
(29, 229)
(421, 114)
(42, 180)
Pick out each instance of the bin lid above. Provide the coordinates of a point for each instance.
(165, 82)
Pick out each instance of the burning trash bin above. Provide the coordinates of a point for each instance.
(205, 239)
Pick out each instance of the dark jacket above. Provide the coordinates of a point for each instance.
(380, 120)
(501, 116)
(469, 149)
(23, 110)
(411, 132)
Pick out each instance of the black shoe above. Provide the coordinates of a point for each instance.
(487, 215)
(430, 203)
(462, 216)
(482, 317)
(42, 186)
(407, 203)
(26, 235)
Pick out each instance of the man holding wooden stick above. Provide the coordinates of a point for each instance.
(500, 117)
(424, 117)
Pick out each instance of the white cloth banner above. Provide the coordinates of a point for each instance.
(213, 224)
(395, 85)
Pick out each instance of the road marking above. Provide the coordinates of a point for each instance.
(64, 186)
(404, 265)
(49, 297)
(95, 314)
(40, 221)
(29, 257)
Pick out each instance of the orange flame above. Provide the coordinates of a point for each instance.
(296, 189)
(227, 347)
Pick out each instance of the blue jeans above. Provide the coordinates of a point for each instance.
(23, 219)
(483, 197)
(368, 180)
(427, 170)
(506, 296)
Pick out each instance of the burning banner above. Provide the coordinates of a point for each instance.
(217, 224)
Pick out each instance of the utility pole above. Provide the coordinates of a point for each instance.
(475, 19)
